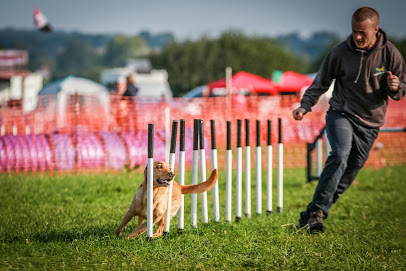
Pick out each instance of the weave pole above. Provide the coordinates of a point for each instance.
(238, 208)
(229, 169)
(247, 169)
(195, 170)
(216, 204)
(269, 171)
(150, 184)
(280, 169)
(205, 214)
(181, 212)
(172, 164)
(258, 162)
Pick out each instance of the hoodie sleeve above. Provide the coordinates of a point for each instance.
(321, 82)
(397, 68)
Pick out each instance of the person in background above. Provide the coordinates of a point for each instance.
(368, 70)
(126, 108)
(131, 89)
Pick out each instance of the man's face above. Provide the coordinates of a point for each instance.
(364, 34)
(131, 80)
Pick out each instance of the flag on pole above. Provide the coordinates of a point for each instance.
(40, 21)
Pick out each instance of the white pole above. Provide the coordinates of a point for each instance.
(168, 210)
(150, 195)
(229, 168)
(181, 212)
(195, 168)
(247, 170)
(216, 204)
(150, 184)
(269, 180)
(258, 166)
(172, 164)
(280, 171)
(269, 171)
(205, 215)
(258, 180)
(194, 181)
(238, 173)
(280, 178)
(247, 181)
(181, 215)
(238, 208)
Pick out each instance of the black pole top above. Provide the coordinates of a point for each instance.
(228, 135)
(280, 130)
(201, 134)
(269, 133)
(247, 132)
(258, 134)
(150, 140)
(196, 134)
(213, 134)
(173, 137)
(182, 135)
(238, 133)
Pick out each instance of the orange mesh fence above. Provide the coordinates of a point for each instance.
(80, 134)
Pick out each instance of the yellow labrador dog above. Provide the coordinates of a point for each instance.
(163, 175)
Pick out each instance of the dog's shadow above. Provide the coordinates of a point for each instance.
(70, 235)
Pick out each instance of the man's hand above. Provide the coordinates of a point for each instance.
(393, 81)
(298, 113)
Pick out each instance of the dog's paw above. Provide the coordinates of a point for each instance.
(132, 235)
(118, 232)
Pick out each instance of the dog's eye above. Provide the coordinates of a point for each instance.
(159, 166)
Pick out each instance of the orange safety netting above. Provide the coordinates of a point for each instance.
(80, 134)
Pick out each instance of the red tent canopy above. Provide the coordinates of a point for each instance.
(249, 81)
(293, 82)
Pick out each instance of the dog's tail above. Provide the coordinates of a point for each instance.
(201, 187)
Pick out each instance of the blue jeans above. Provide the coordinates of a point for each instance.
(350, 144)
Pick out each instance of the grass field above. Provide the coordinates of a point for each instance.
(68, 222)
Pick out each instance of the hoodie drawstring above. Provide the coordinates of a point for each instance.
(360, 66)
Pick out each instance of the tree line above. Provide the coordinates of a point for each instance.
(188, 63)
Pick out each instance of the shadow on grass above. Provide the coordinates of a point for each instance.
(99, 233)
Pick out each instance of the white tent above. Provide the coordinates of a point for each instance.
(151, 85)
(60, 91)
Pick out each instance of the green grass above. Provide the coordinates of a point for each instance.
(68, 222)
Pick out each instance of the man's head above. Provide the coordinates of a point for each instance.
(365, 25)
(130, 79)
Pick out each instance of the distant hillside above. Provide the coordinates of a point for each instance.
(66, 53)
(57, 50)
(52, 43)
(313, 46)
(36, 42)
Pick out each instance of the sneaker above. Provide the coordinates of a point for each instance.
(316, 222)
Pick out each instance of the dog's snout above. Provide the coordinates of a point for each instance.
(171, 174)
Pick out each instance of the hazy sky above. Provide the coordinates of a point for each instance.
(192, 18)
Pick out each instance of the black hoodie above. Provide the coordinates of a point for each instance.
(361, 90)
